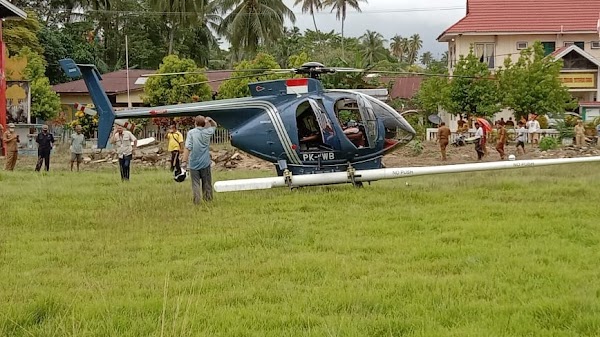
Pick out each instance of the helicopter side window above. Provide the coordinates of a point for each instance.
(311, 133)
(350, 118)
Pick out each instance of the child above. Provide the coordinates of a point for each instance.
(521, 137)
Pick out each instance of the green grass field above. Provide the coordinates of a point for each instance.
(500, 253)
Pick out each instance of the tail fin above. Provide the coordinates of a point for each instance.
(91, 76)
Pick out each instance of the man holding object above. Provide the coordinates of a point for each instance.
(197, 151)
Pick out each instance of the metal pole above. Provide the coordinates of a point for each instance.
(2, 85)
(127, 71)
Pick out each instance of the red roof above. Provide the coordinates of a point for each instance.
(528, 16)
(116, 82)
(403, 87)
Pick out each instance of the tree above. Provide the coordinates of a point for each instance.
(433, 94)
(238, 87)
(310, 6)
(23, 33)
(426, 58)
(250, 23)
(341, 6)
(373, 49)
(178, 15)
(399, 47)
(472, 90)
(414, 45)
(45, 103)
(532, 84)
(170, 89)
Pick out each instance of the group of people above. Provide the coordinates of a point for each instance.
(45, 141)
(187, 155)
(190, 154)
(480, 138)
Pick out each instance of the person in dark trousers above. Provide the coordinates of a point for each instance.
(479, 141)
(126, 143)
(45, 142)
(197, 151)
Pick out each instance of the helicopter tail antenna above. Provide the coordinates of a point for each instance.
(91, 77)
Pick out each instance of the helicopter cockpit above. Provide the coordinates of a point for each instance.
(365, 110)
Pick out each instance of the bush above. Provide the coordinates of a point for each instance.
(548, 143)
(417, 147)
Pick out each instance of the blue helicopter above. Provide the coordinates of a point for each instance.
(312, 136)
(293, 123)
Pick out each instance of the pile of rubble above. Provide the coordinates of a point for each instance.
(570, 151)
(150, 153)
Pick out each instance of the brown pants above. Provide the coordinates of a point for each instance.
(500, 149)
(443, 145)
(11, 160)
(579, 140)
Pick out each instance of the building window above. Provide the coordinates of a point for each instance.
(578, 44)
(549, 47)
(522, 45)
(595, 44)
(485, 53)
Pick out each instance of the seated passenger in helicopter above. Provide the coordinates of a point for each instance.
(353, 132)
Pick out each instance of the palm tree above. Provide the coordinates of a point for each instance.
(341, 6)
(426, 58)
(397, 47)
(250, 23)
(414, 45)
(373, 46)
(179, 14)
(311, 6)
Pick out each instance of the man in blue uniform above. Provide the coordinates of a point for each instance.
(45, 142)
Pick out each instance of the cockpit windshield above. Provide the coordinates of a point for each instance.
(396, 127)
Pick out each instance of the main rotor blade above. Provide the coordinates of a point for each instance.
(426, 74)
(233, 78)
(214, 71)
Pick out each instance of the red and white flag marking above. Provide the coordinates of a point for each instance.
(297, 86)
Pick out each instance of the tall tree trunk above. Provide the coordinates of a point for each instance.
(171, 37)
(319, 42)
(343, 38)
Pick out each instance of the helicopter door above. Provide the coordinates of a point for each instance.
(368, 118)
(325, 125)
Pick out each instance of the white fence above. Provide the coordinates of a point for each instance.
(431, 134)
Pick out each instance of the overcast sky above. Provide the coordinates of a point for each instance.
(428, 18)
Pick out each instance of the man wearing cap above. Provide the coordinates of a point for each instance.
(197, 151)
(45, 142)
(11, 139)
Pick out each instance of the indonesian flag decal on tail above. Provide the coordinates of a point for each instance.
(297, 86)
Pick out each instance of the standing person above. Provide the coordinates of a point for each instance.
(197, 146)
(77, 144)
(579, 134)
(443, 137)
(479, 140)
(175, 146)
(11, 140)
(501, 140)
(534, 128)
(123, 140)
(45, 142)
(521, 137)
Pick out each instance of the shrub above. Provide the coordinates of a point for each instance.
(548, 143)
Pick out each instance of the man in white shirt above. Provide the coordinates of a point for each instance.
(479, 139)
(123, 139)
(533, 127)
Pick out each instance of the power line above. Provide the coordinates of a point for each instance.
(379, 11)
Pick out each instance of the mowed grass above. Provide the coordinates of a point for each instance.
(499, 253)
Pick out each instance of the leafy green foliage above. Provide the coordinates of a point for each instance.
(474, 96)
(548, 143)
(433, 94)
(22, 33)
(45, 103)
(169, 89)
(532, 84)
(238, 87)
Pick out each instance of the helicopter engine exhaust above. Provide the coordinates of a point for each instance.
(386, 173)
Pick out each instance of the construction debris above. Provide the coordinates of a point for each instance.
(151, 153)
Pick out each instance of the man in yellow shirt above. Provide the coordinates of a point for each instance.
(175, 146)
